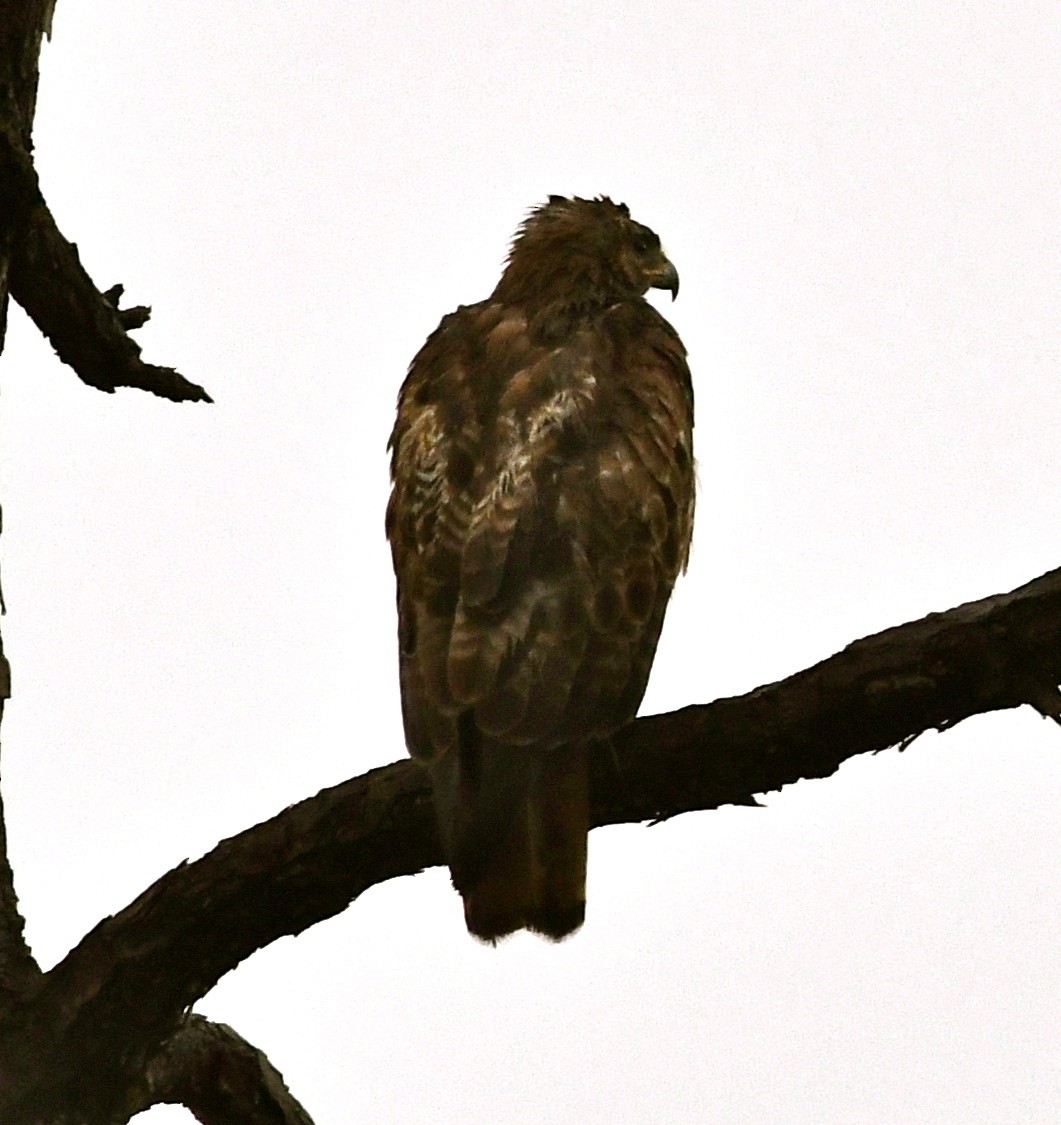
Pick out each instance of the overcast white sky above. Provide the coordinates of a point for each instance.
(863, 203)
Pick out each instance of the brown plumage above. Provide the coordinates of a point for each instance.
(540, 512)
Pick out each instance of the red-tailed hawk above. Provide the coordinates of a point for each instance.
(540, 512)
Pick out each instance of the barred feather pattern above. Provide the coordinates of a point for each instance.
(540, 513)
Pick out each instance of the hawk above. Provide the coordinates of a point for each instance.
(540, 511)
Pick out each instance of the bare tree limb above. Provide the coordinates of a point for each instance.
(109, 1004)
(85, 326)
(22, 26)
(18, 969)
(86, 330)
(124, 988)
(220, 1077)
(881, 691)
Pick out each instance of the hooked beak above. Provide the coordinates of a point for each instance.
(665, 277)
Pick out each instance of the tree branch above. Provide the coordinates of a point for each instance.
(19, 971)
(123, 989)
(47, 279)
(881, 691)
(220, 1077)
(22, 26)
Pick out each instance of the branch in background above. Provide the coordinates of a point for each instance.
(19, 972)
(220, 1077)
(18, 969)
(47, 279)
(86, 330)
(125, 987)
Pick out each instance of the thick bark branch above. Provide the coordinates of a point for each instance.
(18, 969)
(220, 1077)
(22, 26)
(123, 989)
(881, 691)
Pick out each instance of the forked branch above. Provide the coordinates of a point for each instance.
(220, 1077)
(124, 989)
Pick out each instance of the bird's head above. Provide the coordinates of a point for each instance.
(589, 251)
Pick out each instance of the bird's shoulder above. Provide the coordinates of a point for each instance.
(491, 398)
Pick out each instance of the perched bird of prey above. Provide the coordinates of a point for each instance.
(540, 512)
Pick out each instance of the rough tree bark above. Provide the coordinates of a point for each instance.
(106, 1033)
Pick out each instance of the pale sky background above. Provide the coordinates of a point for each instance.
(864, 203)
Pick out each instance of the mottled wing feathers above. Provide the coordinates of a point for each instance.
(536, 551)
(540, 513)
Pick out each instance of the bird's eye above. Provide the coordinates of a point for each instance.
(645, 240)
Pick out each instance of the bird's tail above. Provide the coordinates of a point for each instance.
(514, 823)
